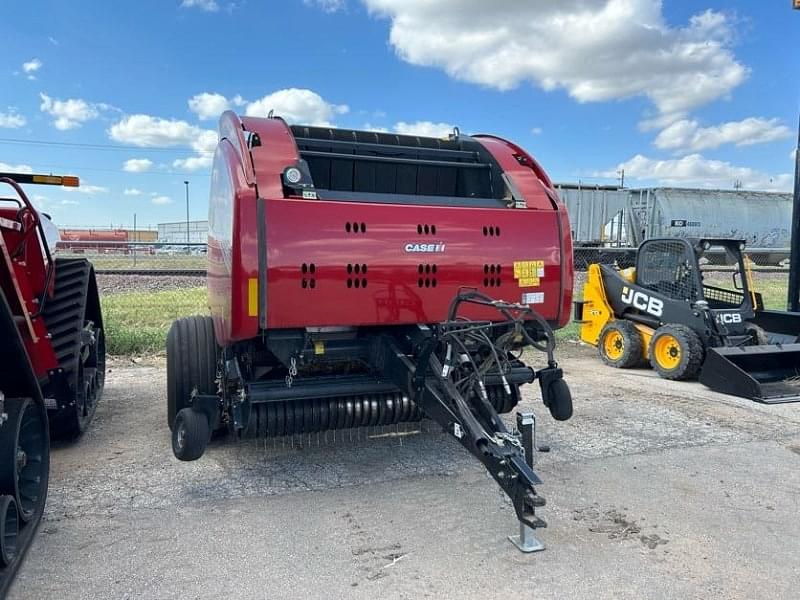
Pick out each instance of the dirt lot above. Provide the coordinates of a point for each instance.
(655, 490)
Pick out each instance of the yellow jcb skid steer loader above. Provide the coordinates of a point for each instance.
(689, 322)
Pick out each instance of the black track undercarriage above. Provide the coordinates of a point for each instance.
(460, 373)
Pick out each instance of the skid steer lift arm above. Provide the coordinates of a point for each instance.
(444, 369)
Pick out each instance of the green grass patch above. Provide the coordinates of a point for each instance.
(572, 331)
(137, 322)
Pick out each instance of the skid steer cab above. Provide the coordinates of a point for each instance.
(690, 310)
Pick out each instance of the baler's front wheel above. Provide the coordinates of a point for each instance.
(190, 434)
(191, 363)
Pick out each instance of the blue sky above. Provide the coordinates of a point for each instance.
(691, 93)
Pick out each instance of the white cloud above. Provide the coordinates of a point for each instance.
(297, 106)
(161, 200)
(206, 5)
(596, 50)
(329, 6)
(371, 127)
(66, 201)
(31, 67)
(149, 132)
(90, 190)
(20, 168)
(137, 165)
(132, 192)
(688, 135)
(193, 163)
(211, 105)
(70, 113)
(12, 119)
(536, 131)
(695, 170)
(424, 128)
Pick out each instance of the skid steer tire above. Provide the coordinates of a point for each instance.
(758, 337)
(192, 354)
(620, 345)
(676, 352)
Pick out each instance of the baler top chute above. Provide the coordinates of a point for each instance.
(363, 279)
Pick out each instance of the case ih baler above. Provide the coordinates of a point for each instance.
(362, 279)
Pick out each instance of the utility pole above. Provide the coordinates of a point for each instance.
(793, 295)
(135, 239)
(621, 178)
(793, 301)
(187, 216)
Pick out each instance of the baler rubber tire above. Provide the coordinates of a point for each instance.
(9, 530)
(632, 350)
(560, 400)
(691, 352)
(191, 362)
(190, 434)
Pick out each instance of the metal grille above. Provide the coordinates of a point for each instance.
(665, 267)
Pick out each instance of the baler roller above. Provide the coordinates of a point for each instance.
(278, 419)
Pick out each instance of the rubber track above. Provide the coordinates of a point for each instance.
(64, 312)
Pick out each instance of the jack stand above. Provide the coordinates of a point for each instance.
(526, 541)
(526, 425)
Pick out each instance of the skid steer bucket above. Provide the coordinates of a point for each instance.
(768, 373)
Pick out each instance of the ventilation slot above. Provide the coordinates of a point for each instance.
(355, 227)
(426, 229)
(309, 272)
(356, 275)
(491, 230)
(491, 275)
(427, 275)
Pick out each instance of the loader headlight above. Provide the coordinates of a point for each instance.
(293, 175)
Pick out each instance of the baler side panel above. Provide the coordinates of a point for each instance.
(315, 234)
(232, 217)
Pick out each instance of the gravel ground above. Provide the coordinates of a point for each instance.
(655, 489)
(115, 284)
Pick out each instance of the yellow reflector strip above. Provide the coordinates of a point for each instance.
(319, 347)
(252, 297)
(51, 179)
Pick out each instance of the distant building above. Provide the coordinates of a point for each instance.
(175, 233)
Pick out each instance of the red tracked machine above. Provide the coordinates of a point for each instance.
(362, 279)
(52, 359)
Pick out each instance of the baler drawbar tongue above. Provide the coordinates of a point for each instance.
(768, 373)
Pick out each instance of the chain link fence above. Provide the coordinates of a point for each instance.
(145, 286)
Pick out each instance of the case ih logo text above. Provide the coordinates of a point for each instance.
(437, 247)
(642, 301)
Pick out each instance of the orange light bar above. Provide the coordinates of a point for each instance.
(65, 180)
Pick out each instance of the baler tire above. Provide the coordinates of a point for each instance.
(9, 530)
(190, 434)
(192, 355)
(560, 404)
(627, 341)
(685, 349)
